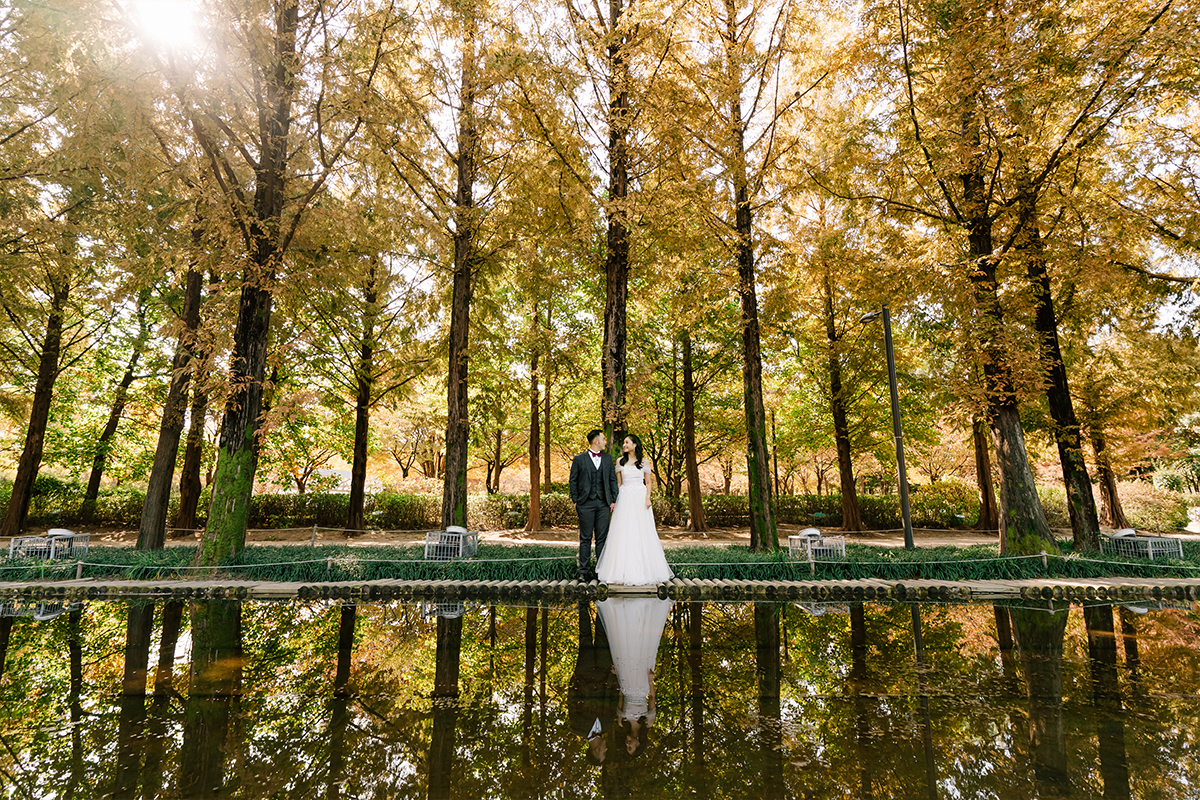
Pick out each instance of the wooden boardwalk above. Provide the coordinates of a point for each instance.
(1071, 589)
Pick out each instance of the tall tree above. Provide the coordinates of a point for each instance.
(271, 145)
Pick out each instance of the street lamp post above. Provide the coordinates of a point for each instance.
(896, 428)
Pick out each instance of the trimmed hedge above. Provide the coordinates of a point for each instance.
(556, 562)
(946, 504)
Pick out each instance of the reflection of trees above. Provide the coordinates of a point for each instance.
(923, 698)
(767, 668)
(138, 628)
(862, 706)
(445, 707)
(6, 624)
(1106, 698)
(216, 684)
(339, 711)
(1039, 636)
(847, 699)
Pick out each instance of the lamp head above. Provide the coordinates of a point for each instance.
(871, 317)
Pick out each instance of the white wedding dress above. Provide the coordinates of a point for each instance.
(634, 626)
(633, 555)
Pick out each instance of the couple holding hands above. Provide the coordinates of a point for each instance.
(613, 504)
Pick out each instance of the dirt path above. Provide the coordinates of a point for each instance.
(119, 537)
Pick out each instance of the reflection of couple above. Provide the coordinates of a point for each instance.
(624, 644)
(617, 499)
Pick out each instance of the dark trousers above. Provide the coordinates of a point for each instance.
(593, 521)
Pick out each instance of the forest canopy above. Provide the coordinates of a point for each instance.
(367, 245)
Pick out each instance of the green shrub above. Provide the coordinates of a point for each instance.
(1152, 508)
(944, 504)
(1054, 504)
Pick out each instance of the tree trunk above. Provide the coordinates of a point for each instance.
(193, 456)
(534, 522)
(763, 534)
(851, 516)
(1025, 530)
(616, 261)
(989, 517)
(695, 504)
(1110, 503)
(495, 487)
(1085, 526)
(546, 487)
(454, 486)
(365, 377)
(87, 510)
(237, 453)
(152, 532)
(39, 414)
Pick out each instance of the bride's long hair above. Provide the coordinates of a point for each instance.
(637, 451)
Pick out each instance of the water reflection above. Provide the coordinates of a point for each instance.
(1039, 636)
(626, 698)
(593, 690)
(211, 736)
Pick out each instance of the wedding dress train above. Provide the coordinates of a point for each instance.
(633, 555)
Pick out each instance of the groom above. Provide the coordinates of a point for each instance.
(594, 493)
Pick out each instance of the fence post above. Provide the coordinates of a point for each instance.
(328, 567)
(78, 569)
(1044, 564)
(812, 565)
(314, 536)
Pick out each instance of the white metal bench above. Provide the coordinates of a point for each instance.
(1129, 543)
(58, 543)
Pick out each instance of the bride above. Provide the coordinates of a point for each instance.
(633, 556)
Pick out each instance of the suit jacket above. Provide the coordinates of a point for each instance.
(584, 472)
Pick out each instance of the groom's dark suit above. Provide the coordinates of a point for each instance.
(593, 491)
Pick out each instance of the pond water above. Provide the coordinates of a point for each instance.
(779, 700)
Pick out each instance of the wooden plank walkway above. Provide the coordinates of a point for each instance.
(1071, 589)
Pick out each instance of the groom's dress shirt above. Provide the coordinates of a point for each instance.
(595, 458)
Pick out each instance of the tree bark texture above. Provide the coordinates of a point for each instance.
(363, 397)
(237, 456)
(1024, 530)
(193, 456)
(851, 516)
(695, 504)
(152, 531)
(466, 256)
(535, 500)
(1110, 502)
(763, 533)
(39, 413)
(616, 259)
(1085, 525)
(989, 517)
(87, 509)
